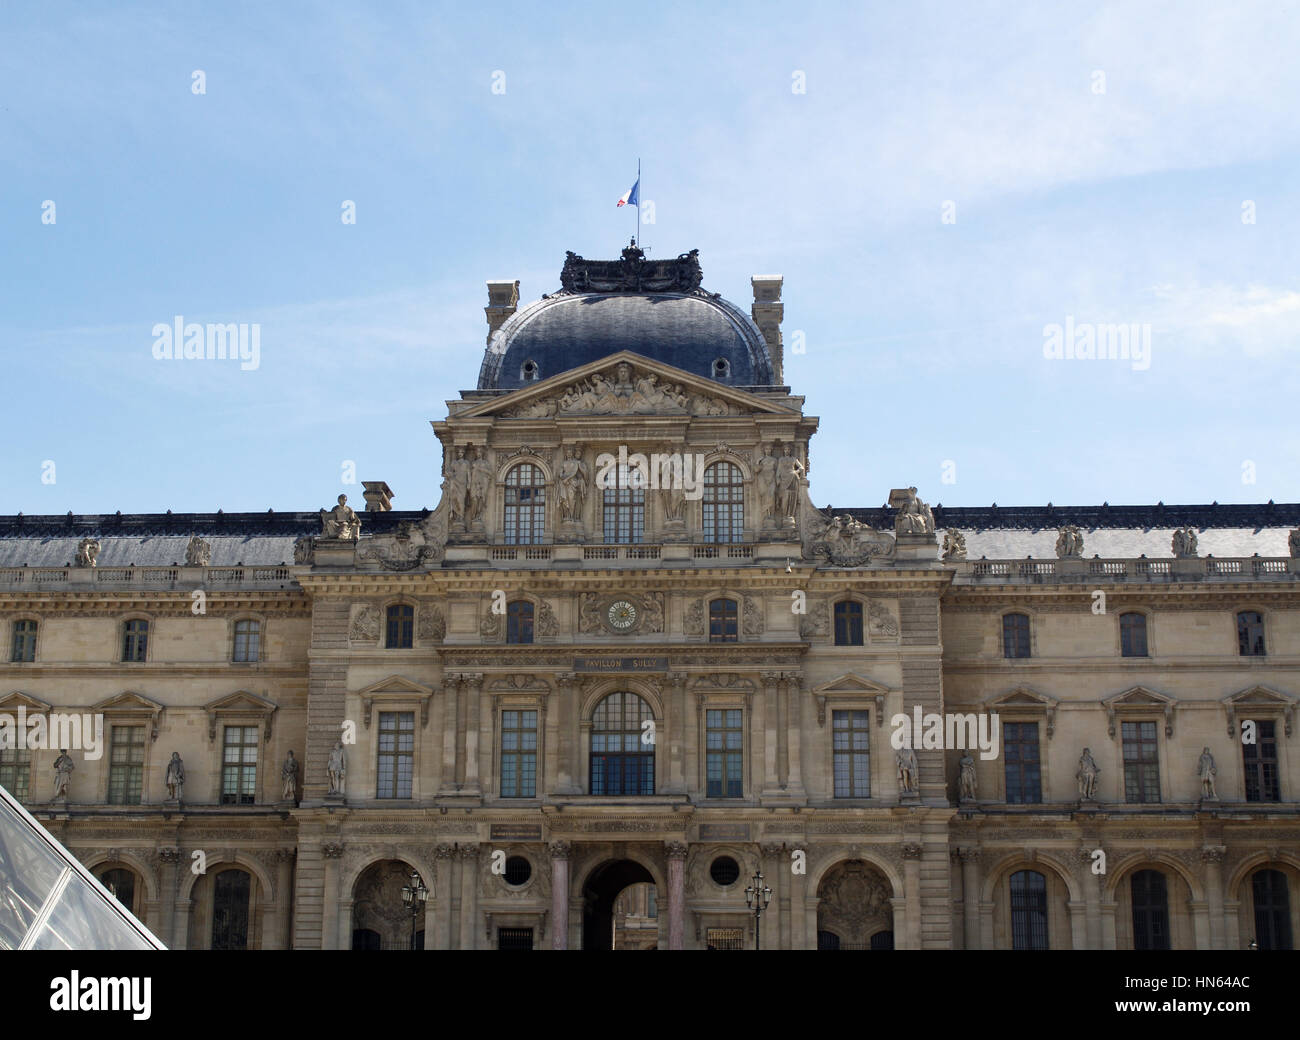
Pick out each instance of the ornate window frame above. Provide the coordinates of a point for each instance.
(241, 708)
(128, 708)
(395, 693)
(1024, 704)
(517, 693)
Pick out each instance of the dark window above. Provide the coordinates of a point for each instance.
(1015, 635)
(1141, 763)
(624, 515)
(16, 771)
(396, 753)
(401, 626)
(24, 648)
(135, 644)
(723, 503)
(525, 505)
(366, 939)
(514, 938)
(851, 750)
(1021, 762)
(828, 941)
(121, 883)
(126, 765)
(652, 902)
(230, 910)
(882, 941)
(724, 870)
(722, 621)
(1250, 633)
(518, 870)
(518, 754)
(1133, 635)
(1260, 761)
(1028, 910)
(248, 640)
(724, 737)
(519, 622)
(239, 765)
(1150, 910)
(848, 623)
(1272, 910)
(622, 760)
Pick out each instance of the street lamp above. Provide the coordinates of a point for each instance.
(757, 896)
(415, 895)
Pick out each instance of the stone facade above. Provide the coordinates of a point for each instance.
(403, 643)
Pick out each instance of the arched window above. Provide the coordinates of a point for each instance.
(622, 761)
(248, 640)
(624, 511)
(24, 646)
(1015, 635)
(1250, 633)
(401, 626)
(723, 503)
(882, 941)
(1133, 634)
(122, 884)
(1150, 910)
(1272, 910)
(525, 505)
(1028, 910)
(135, 641)
(519, 621)
(848, 623)
(230, 891)
(723, 621)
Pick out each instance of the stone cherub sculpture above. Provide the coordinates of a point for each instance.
(87, 552)
(1183, 542)
(967, 777)
(906, 770)
(175, 777)
(1069, 542)
(1206, 770)
(340, 522)
(337, 767)
(63, 767)
(1087, 776)
(289, 778)
(954, 544)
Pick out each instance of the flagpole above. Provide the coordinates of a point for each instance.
(637, 237)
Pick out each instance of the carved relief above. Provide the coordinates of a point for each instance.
(411, 545)
(365, 624)
(546, 626)
(753, 618)
(880, 622)
(817, 622)
(693, 624)
(432, 624)
(847, 542)
(631, 391)
(853, 903)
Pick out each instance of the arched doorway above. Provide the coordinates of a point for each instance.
(380, 918)
(854, 908)
(599, 895)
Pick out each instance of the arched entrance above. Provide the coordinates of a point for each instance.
(599, 895)
(854, 911)
(380, 919)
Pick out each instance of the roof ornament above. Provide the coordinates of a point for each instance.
(632, 273)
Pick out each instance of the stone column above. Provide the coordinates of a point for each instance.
(769, 725)
(970, 895)
(169, 858)
(280, 938)
(912, 852)
(567, 769)
(450, 696)
(560, 852)
(675, 683)
(775, 933)
(440, 937)
(472, 683)
(1092, 898)
(794, 728)
(676, 852)
(333, 852)
(468, 896)
(799, 902)
(1213, 855)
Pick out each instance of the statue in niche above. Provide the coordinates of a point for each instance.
(1087, 776)
(1205, 769)
(63, 767)
(966, 767)
(340, 522)
(765, 482)
(571, 484)
(789, 474)
(337, 768)
(481, 476)
(175, 777)
(455, 486)
(289, 778)
(906, 770)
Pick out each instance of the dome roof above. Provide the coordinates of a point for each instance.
(654, 308)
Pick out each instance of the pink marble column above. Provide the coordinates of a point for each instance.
(676, 851)
(560, 895)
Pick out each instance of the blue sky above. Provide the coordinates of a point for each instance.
(924, 339)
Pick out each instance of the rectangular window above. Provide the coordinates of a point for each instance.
(848, 623)
(1260, 761)
(1015, 635)
(1141, 764)
(724, 736)
(1023, 774)
(16, 771)
(723, 624)
(396, 754)
(126, 765)
(24, 648)
(239, 765)
(135, 641)
(248, 639)
(851, 742)
(518, 754)
(1133, 635)
(624, 514)
(401, 627)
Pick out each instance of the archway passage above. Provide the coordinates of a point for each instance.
(598, 897)
(854, 908)
(380, 918)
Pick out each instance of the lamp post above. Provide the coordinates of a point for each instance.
(757, 897)
(415, 895)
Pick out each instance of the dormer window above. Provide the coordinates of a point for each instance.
(721, 369)
(529, 372)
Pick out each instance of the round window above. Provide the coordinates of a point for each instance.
(518, 870)
(724, 870)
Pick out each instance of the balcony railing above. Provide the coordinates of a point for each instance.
(1194, 568)
(148, 577)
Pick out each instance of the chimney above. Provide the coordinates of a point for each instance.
(767, 312)
(503, 301)
(378, 495)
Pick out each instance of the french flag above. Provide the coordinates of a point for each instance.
(630, 197)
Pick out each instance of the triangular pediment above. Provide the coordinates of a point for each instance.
(396, 684)
(851, 683)
(1021, 696)
(241, 702)
(1139, 695)
(1261, 695)
(11, 702)
(1253, 699)
(643, 387)
(128, 701)
(1140, 698)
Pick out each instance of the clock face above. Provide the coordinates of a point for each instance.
(621, 614)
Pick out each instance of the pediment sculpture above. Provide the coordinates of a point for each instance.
(847, 542)
(630, 392)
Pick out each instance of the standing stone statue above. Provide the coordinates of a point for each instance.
(87, 552)
(1183, 542)
(789, 474)
(289, 778)
(967, 776)
(906, 771)
(481, 476)
(765, 466)
(571, 484)
(1206, 770)
(1069, 542)
(340, 522)
(1087, 777)
(337, 768)
(455, 486)
(175, 777)
(1293, 543)
(63, 767)
(198, 552)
